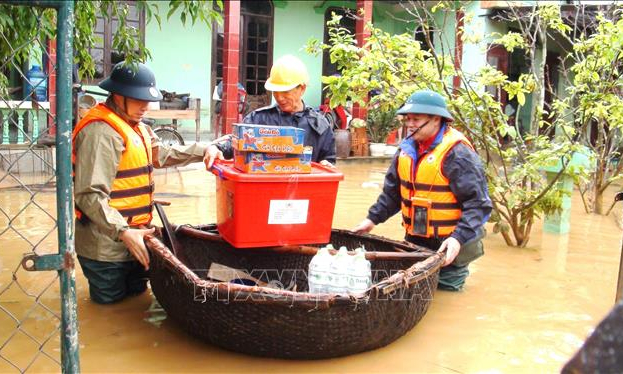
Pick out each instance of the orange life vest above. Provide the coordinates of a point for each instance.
(426, 181)
(133, 186)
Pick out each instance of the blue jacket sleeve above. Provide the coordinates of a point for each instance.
(463, 168)
(388, 202)
(226, 147)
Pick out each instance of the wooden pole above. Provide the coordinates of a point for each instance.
(619, 296)
(458, 50)
(364, 8)
(307, 250)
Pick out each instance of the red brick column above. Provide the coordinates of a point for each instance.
(231, 56)
(458, 50)
(364, 12)
(51, 47)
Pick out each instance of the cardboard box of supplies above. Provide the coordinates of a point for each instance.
(264, 138)
(273, 163)
(264, 210)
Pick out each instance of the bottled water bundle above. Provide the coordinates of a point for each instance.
(341, 273)
(318, 273)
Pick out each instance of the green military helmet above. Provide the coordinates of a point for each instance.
(138, 84)
(426, 102)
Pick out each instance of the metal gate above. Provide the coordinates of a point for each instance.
(38, 319)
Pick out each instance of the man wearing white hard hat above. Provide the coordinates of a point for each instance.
(287, 81)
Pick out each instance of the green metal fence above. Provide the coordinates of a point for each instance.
(38, 313)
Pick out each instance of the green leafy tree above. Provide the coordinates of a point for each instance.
(25, 28)
(597, 97)
(397, 65)
(592, 102)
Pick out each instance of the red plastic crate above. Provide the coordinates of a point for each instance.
(264, 210)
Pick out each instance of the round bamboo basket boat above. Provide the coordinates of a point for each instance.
(279, 318)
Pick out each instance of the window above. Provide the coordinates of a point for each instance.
(219, 50)
(103, 54)
(255, 45)
(257, 52)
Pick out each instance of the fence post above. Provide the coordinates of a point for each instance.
(64, 194)
(63, 261)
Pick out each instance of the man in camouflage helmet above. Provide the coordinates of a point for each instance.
(437, 182)
(113, 157)
(288, 81)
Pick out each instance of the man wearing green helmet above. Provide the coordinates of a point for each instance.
(113, 158)
(436, 180)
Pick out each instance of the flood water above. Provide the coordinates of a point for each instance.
(522, 310)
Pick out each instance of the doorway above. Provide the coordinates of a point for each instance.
(256, 51)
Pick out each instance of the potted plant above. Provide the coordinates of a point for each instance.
(380, 124)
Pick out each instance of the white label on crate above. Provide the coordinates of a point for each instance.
(287, 212)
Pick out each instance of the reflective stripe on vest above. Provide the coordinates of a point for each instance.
(430, 183)
(133, 188)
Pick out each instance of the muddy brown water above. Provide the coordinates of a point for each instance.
(523, 310)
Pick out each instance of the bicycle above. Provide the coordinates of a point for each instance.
(167, 133)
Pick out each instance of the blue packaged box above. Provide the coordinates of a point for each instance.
(268, 139)
(273, 163)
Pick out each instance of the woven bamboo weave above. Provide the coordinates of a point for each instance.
(284, 320)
